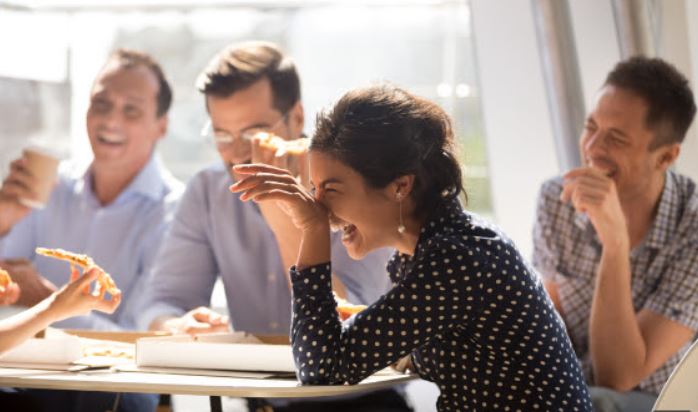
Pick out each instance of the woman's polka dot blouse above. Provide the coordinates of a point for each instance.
(470, 311)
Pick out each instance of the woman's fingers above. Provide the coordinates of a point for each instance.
(252, 193)
(83, 282)
(253, 168)
(259, 178)
(277, 194)
(107, 306)
(74, 273)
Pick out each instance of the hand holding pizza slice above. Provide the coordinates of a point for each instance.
(105, 283)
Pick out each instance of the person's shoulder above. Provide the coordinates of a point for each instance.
(211, 177)
(688, 202)
(550, 190)
(462, 229)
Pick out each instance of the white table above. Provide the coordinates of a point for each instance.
(182, 384)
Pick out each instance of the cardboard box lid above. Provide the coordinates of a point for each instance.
(226, 351)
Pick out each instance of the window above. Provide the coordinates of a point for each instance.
(424, 46)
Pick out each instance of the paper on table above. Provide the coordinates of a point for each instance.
(52, 350)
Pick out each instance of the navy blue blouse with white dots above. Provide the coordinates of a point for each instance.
(471, 312)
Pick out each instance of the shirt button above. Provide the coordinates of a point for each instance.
(274, 325)
(271, 277)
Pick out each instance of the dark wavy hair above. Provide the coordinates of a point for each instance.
(384, 132)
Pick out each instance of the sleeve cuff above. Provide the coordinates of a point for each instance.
(155, 311)
(679, 312)
(313, 280)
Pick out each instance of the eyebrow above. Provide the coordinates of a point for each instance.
(330, 181)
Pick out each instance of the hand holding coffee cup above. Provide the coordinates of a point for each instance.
(28, 185)
(42, 165)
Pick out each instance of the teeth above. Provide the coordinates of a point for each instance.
(113, 139)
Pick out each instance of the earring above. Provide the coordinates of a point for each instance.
(401, 227)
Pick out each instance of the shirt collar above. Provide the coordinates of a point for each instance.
(667, 214)
(437, 222)
(149, 182)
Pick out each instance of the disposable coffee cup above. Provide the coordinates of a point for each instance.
(42, 163)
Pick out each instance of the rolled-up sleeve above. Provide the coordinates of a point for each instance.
(545, 253)
(676, 296)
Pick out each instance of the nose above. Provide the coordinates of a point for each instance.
(112, 119)
(593, 141)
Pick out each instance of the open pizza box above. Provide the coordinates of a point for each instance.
(236, 351)
(56, 349)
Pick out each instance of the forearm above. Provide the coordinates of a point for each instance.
(618, 350)
(314, 246)
(288, 236)
(22, 326)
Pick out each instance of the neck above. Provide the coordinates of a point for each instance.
(406, 242)
(109, 182)
(640, 210)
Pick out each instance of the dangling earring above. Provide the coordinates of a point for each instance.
(401, 227)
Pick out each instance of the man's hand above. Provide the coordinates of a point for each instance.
(17, 185)
(198, 321)
(592, 192)
(9, 294)
(35, 287)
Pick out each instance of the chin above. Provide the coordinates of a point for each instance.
(356, 254)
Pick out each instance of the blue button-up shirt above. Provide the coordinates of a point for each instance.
(215, 234)
(122, 237)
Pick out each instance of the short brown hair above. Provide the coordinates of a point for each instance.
(133, 58)
(670, 104)
(238, 66)
(384, 132)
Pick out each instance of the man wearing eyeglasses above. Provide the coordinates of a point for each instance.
(249, 88)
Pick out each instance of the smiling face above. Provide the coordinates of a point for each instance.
(616, 140)
(248, 109)
(367, 217)
(122, 121)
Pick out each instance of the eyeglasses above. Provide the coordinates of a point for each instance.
(225, 139)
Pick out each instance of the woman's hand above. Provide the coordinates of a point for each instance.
(75, 299)
(269, 183)
(295, 163)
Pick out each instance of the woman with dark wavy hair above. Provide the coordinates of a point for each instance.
(465, 308)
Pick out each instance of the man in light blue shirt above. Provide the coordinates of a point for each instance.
(249, 88)
(116, 211)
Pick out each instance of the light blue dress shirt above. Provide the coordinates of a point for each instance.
(122, 237)
(215, 234)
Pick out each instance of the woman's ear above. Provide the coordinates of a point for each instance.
(402, 186)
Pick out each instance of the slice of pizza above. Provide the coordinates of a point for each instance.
(105, 283)
(5, 279)
(282, 146)
(346, 309)
(83, 261)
